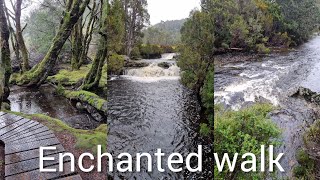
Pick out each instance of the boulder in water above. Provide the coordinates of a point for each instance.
(164, 65)
(135, 64)
(308, 95)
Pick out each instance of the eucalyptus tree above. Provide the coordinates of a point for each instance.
(137, 16)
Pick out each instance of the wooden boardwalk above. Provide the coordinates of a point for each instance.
(22, 138)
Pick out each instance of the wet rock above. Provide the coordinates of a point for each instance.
(95, 114)
(79, 106)
(135, 64)
(164, 65)
(308, 95)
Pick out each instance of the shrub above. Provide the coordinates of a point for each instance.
(261, 48)
(150, 51)
(135, 53)
(167, 49)
(241, 132)
(115, 64)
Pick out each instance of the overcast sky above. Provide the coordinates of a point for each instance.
(170, 9)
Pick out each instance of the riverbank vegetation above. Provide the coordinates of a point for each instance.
(241, 132)
(251, 26)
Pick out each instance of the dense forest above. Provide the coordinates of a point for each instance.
(165, 33)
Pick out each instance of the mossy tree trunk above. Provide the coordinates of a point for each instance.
(76, 41)
(82, 36)
(5, 62)
(13, 37)
(38, 74)
(94, 75)
(20, 40)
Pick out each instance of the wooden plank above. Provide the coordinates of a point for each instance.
(13, 126)
(20, 129)
(27, 132)
(35, 130)
(22, 138)
(36, 174)
(26, 155)
(14, 148)
(33, 137)
(8, 119)
(30, 165)
(74, 177)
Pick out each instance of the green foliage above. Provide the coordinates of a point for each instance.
(308, 157)
(253, 25)
(116, 26)
(115, 64)
(42, 27)
(305, 169)
(68, 77)
(150, 51)
(193, 68)
(241, 132)
(87, 97)
(300, 18)
(164, 33)
(207, 96)
(135, 53)
(261, 48)
(205, 130)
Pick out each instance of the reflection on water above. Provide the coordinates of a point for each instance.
(43, 101)
(146, 116)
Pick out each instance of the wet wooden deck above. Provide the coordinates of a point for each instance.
(23, 138)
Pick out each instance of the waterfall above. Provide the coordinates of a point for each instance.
(168, 56)
(153, 70)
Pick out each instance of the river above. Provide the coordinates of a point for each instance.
(150, 109)
(274, 79)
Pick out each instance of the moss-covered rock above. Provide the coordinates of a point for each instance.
(92, 103)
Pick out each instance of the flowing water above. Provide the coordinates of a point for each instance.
(274, 79)
(150, 109)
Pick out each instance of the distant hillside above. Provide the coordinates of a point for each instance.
(164, 33)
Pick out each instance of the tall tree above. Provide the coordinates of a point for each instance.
(137, 16)
(20, 40)
(38, 74)
(94, 75)
(5, 62)
(82, 35)
(116, 26)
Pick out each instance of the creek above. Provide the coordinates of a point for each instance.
(150, 109)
